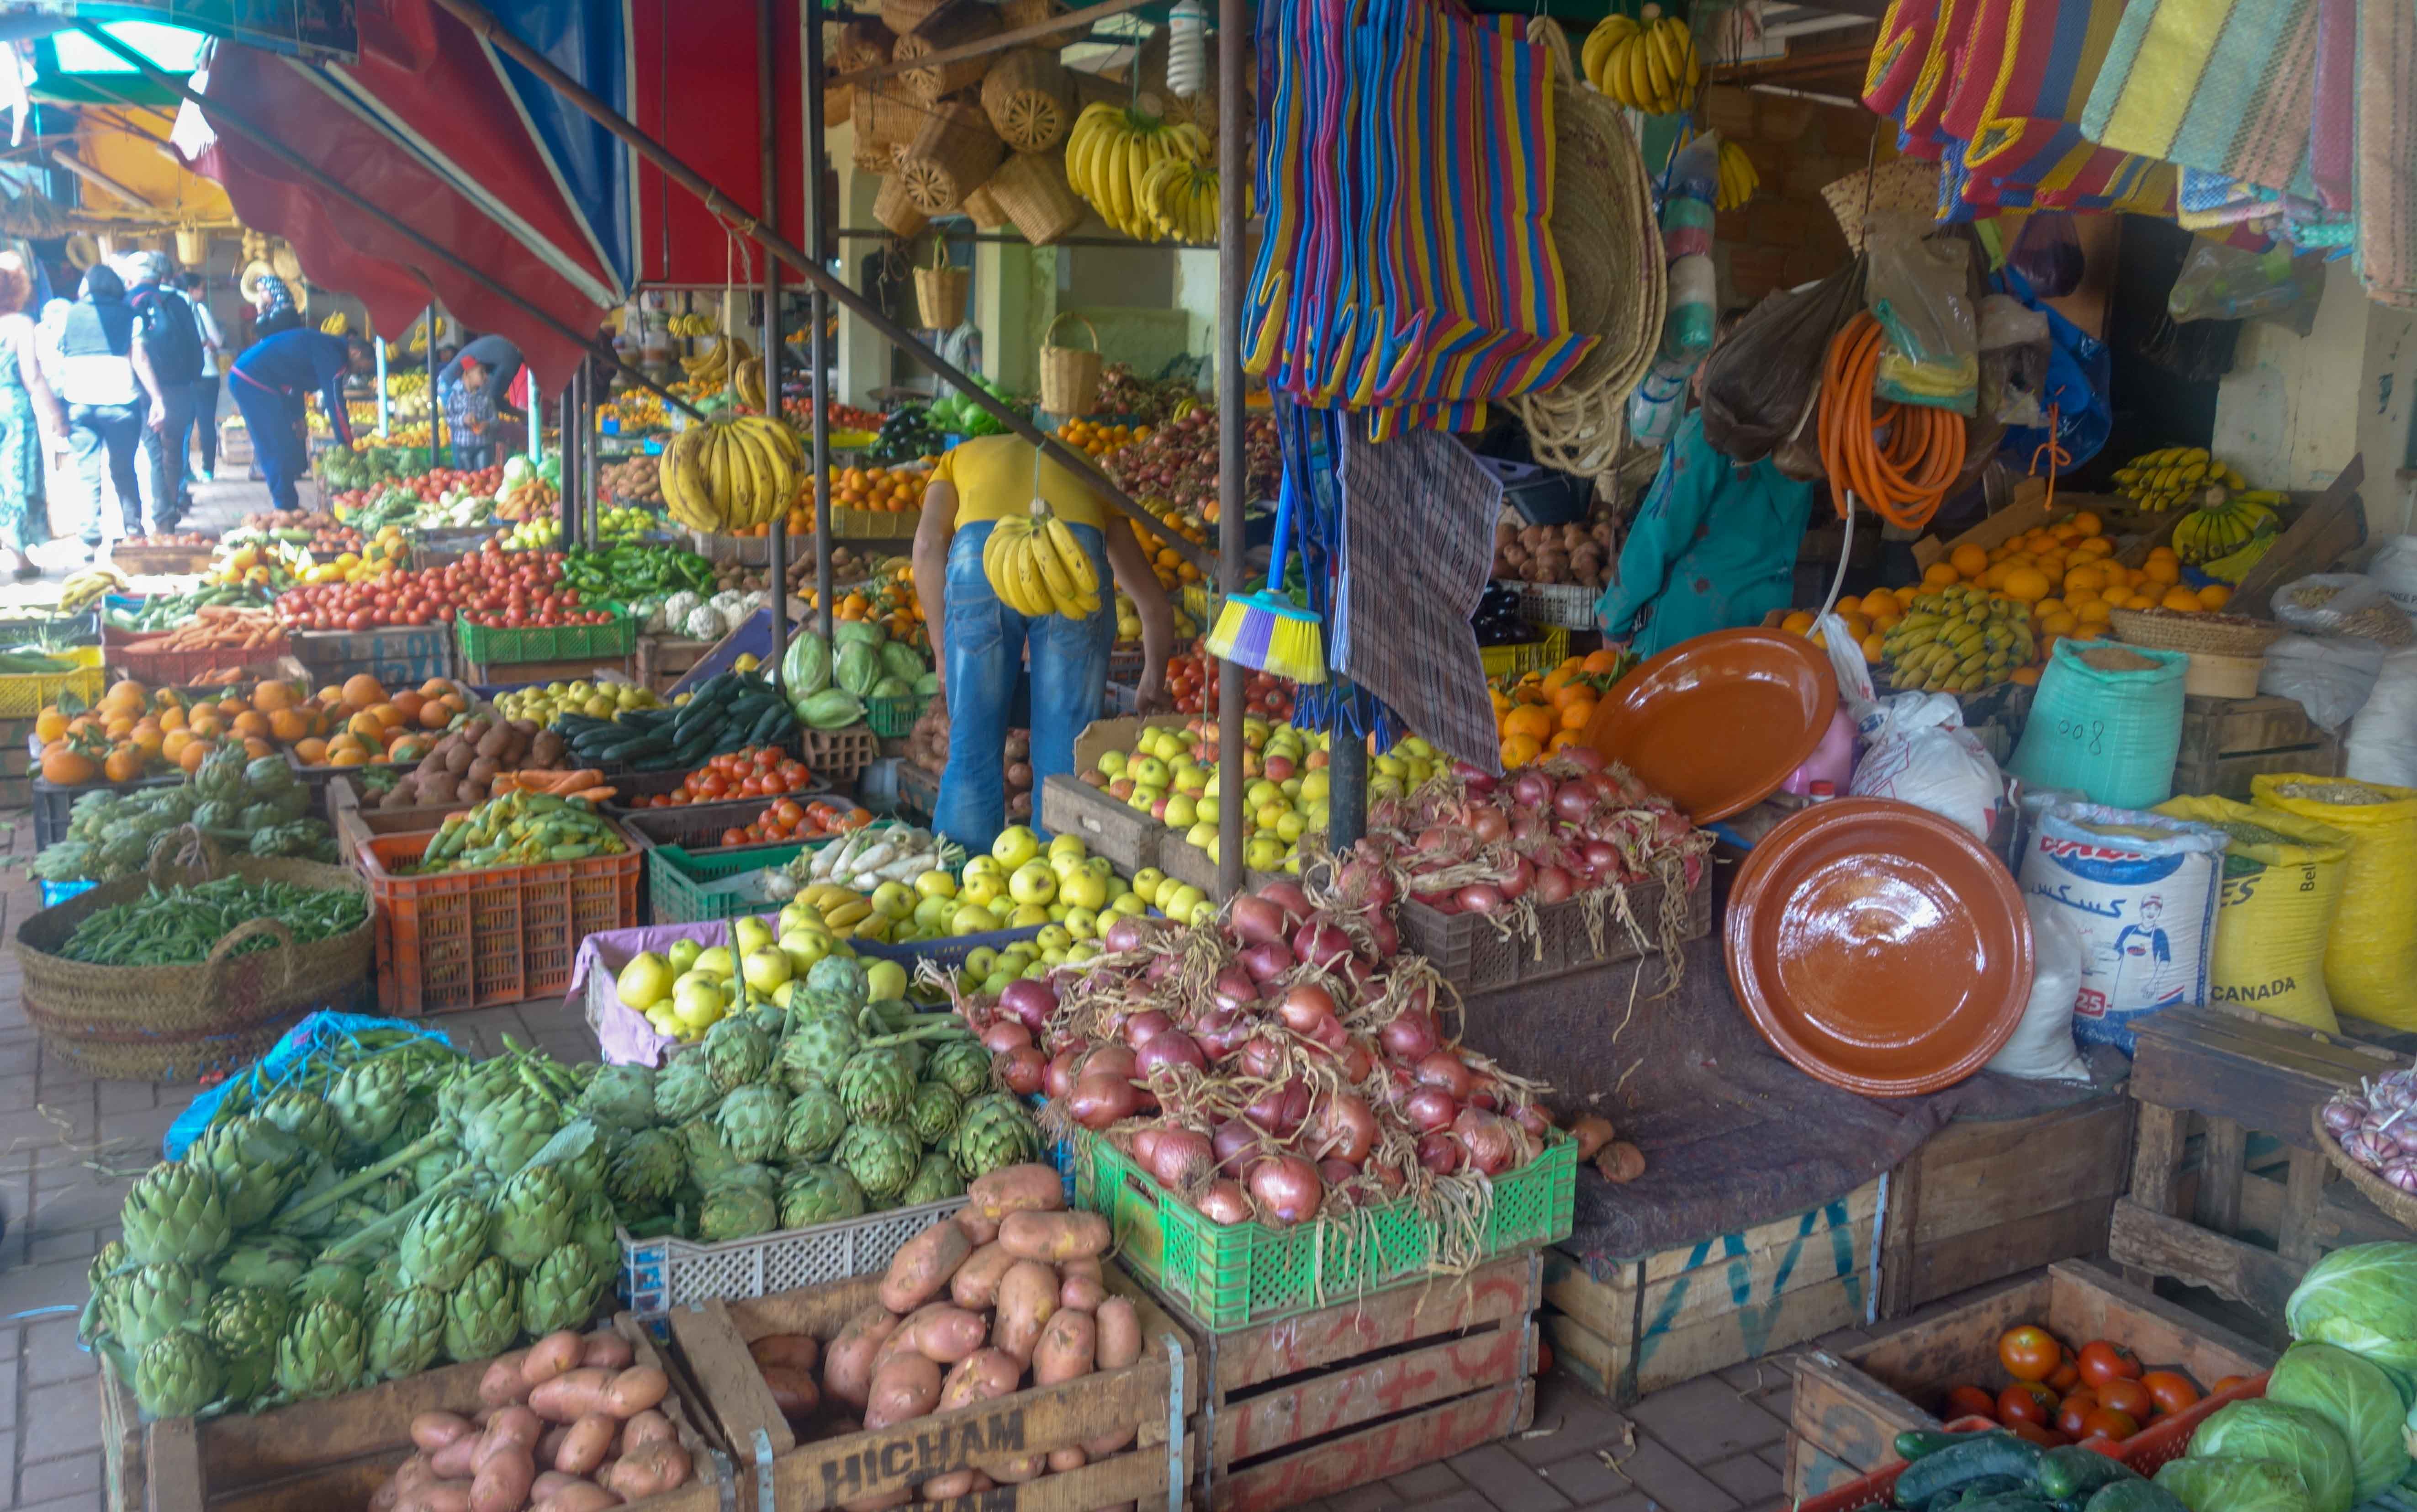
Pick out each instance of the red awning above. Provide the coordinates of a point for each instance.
(710, 54)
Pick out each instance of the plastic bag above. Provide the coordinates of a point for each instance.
(1759, 383)
(2282, 884)
(2080, 376)
(2331, 679)
(1660, 402)
(1919, 290)
(2222, 283)
(2383, 742)
(2371, 954)
(2047, 253)
(2014, 352)
(2106, 720)
(2393, 567)
(1917, 749)
(2343, 603)
(2042, 1047)
(2140, 891)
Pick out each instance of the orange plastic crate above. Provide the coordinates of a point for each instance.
(474, 939)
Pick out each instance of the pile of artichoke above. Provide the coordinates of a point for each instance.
(832, 1108)
(255, 805)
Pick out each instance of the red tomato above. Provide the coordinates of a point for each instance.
(2128, 1397)
(767, 757)
(2103, 1361)
(2170, 1390)
(2026, 1402)
(1970, 1401)
(2029, 1353)
(2109, 1423)
(711, 785)
(2067, 1376)
(734, 836)
(2046, 1438)
(2070, 1413)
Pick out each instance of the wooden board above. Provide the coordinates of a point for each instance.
(2332, 524)
(2259, 1072)
(2236, 776)
(1626, 1369)
(1387, 1449)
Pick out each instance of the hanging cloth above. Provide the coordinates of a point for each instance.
(1912, 64)
(2227, 86)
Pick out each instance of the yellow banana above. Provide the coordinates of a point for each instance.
(1054, 576)
(1070, 554)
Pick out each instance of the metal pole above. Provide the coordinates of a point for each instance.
(536, 425)
(566, 503)
(379, 345)
(1232, 31)
(768, 152)
(436, 455)
(484, 25)
(818, 237)
(1346, 788)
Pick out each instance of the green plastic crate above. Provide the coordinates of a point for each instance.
(1233, 1275)
(487, 644)
(677, 880)
(893, 719)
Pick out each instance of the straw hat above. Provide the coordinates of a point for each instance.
(1908, 184)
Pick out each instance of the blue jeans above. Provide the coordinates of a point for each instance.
(985, 649)
(270, 418)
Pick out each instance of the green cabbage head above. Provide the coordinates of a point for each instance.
(2365, 1299)
(2300, 1437)
(2218, 1484)
(2361, 1401)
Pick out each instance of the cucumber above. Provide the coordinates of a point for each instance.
(1916, 1441)
(770, 725)
(2072, 1473)
(2134, 1495)
(1973, 1456)
(2005, 1501)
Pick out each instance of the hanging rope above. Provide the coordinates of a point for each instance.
(1903, 479)
(2057, 458)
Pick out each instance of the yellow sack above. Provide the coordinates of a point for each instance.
(2371, 956)
(2282, 886)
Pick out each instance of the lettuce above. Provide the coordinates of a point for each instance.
(2299, 1437)
(2358, 1399)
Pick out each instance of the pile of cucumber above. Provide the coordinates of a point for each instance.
(731, 712)
(2000, 1473)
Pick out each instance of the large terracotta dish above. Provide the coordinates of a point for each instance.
(1716, 723)
(1878, 947)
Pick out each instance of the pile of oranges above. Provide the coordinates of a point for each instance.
(883, 490)
(1166, 563)
(1546, 712)
(1090, 437)
(135, 732)
(889, 598)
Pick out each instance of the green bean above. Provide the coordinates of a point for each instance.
(181, 925)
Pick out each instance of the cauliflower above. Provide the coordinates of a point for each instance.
(704, 623)
(677, 607)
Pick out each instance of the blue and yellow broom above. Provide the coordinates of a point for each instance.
(1266, 631)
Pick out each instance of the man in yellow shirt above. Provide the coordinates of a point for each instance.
(980, 644)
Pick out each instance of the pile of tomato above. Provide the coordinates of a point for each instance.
(1191, 687)
(489, 586)
(758, 771)
(789, 820)
(2060, 1396)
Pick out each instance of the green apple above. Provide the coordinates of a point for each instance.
(698, 1000)
(1000, 907)
(1269, 815)
(1312, 787)
(996, 982)
(1130, 905)
(972, 918)
(683, 955)
(1142, 798)
(1067, 845)
(1264, 853)
(1181, 812)
(645, 981)
(1290, 826)
(1027, 915)
(1112, 762)
(1146, 880)
(1033, 884)
(1083, 923)
(983, 866)
(982, 891)
(893, 900)
(980, 960)
(1203, 911)
(936, 883)
(748, 935)
(1016, 957)
(932, 912)
(1080, 951)
(1085, 889)
(885, 980)
(804, 947)
(1191, 781)
(1202, 835)
(1053, 937)
(1053, 957)
(765, 969)
(1063, 866)
(1015, 845)
(1179, 906)
(716, 960)
(1150, 772)
(1210, 789)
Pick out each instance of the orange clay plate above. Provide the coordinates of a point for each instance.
(1878, 947)
(1718, 723)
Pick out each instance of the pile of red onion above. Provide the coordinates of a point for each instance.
(2377, 1125)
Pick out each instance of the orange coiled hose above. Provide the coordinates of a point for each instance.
(1905, 478)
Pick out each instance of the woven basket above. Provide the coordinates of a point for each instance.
(878, 161)
(2396, 1205)
(986, 211)
(1069, 376)
(896, 212)
(886, 117)
(941, 291)
(2210, 675)
(861, 44)
(838, 104)
(182, 1022)
(1015, 13)
(1029, 99)
(903, 16)
(2215, 635)
(1030, 190)
(955, 153)
(1908, 184)
(954, 24)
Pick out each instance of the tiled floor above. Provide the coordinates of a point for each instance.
(70, 1145)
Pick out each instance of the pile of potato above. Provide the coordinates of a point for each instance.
(464, 766)
(574, 1405)
(634, 482)
(1010, 1293)
(848, 566)
(927, 747)
(1573, 554)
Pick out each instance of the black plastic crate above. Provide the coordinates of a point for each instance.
(52, 803)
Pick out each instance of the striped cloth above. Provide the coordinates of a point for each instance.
(1912, 64)
(2225, 86)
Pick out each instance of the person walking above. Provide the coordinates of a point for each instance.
(270, 381)
(29, 410)
(164, 323)
(205, 388)
(110, 396)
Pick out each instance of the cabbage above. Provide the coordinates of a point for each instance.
(899, 660)
(806, 670)
(2362, 1298)
(867, 632)
(2358, 1399)
(2288, 1434)
(830, 709)
(2218, 1484)
(857, 668)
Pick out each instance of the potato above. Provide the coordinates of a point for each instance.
(980, 1376)
(981, 1229)
(847, 1365)
(650, 1427)
(1119, 1346)
(458, 760)
(651, 1471)
(551, 1443)
(433, 1431)
(1033, 1188)
(1068, 1348)
(481, 773)
(436, 1496)
(799, 1351)
(585, 1444)
(574, 1394)
(456, 1461)
(607, 1349)
(907, 1386)
(1088, 1265)
(550, 1356)
(923, 1266)
(552, 1483)
(1022, 1467)
(636, 1389)
(415, 1471)
(582, 1496)
(513, 1429)
(945, 1335)
(950, 1487)
(794, 1391)
(384, 1498)
(1070, 1458)
(976, 1283)
(502, 1384)
(1027, 1297)
(502, 1484)
(1054, 1237)
(1081, 1292)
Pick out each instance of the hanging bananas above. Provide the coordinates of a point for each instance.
(1037, 567)
(692, 325)
(1649, 66)
(1738, 179)
(729, 475)
(714, 369)
(1180, 197)
(1110, 156)
(2224, 523)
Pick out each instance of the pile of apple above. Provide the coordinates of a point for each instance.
(689, 988)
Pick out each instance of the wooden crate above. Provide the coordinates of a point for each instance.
(1690, 1310)
(708, 1345)
(1851, 1403)
(2203, 1214)
(2227, 741)
(1313, 1405)
(315, 1456)
(577, 669)
(1984, 1199)
(664, 659)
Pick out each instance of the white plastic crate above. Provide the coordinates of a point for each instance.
(659, 1274)
(1567, 605)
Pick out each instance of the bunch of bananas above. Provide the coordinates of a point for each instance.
(1178, 197)
(2172, 476)
(335, 324)
(1956, 640)
(1037, 567)
(1648, 65)
(88, 587)
(2224, 523)
(693, 324)
(1738, 179)
(730, 475)
(715, 368)
(1110, 154)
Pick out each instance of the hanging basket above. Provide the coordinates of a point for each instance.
(985, 209)
(1908, 184)
(941, 291)
(1029, 99)
(1030, 190)
(838, 104)
(1015, 13)
(955, 152)
(886, 117)
(954, 24)
(193, 246)
(896, 212)
(1069, 376)
(861, 44)
(875, 160)
(903, 16)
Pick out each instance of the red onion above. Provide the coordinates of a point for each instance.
(1381, 933)
(1231, 1141)
(1440, 902)
(1487, 822)
(1554, 886)
(1159, 968)
(1582, 755)
(1523, 873)
(1032, 1003)
(1023, 1069)
(1266, 961)
(1359, 978)
(1474, 779)
(1334, 1173)
(1532, 1118)
(1576, 799)
(1262, 1057)
(1224, 1202)
(1321, 944)
(1233, 988)
(1221, 1031)
(1173, 1047)
(1286, 1190)
(1181, 1154)
(1442, 1069)
(1526, 826)
(1005, 1035)
(1256, 921)
(1281, 1110)
(1603, 857)
(1429, 1109)
(1290, 896)
(1126, 933)
(1109, 1060)
(1328, 1035)
(1368, 882)
(1345, 1130)
(1440, 1153)
(1145, 1026)
(1063, 1066)
(1145, 1145)
(1355, 1061)
(1443, 844)
(1303, 1005)
(1411, 1037)
(1097, 1101)
(1479, 898)
(1492, 1147)
(1532, 789)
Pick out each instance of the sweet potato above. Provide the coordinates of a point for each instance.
(573, 1395)
(799, 1351)
(607, 1349)
(1034, 1188)
(652, 1471)
(794, 1391)
(907, 1386)
(550, 1356)
(436, 1496)
(847, 1365)
(585, 1444)
(923, 1266)
(980, 1376)
(581, 1496)
(431, 1431)
(636, 1389)
(650, 1427)
(1028, 1297)
(513, 1429)
(1070, 1458)
(502, 1484)
(502, 1385)
(1068, 1348)
(1120, 1345)
(976, 1283)
(1084, 1293)
(979, 1226)
(1054, 1237)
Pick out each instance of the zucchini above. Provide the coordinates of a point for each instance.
(2072, 1473)
(2134, 1495)
(1973, 1456)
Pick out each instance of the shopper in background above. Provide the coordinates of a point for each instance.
(29, 410)
(471, 393)
(272, 309)
(270, 382)
(165, 326)
(205, 388)
(110, 394)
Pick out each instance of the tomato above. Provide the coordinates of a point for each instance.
(790, 813)
(2029, 1353)
(2225, 1384)
(795, 776)
(2128, 1397)
(711, 785)
(768, 757)
(2068, 1374)
(2109, 1423)
(2103, 1361)
(1970, 1401)
(2026, 1402)
(2046, 1438)
(2070, 1412)
(734, 836)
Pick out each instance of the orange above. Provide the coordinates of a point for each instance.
(119, 726)
(2093, 546)
(251, 724)
(1517, 751)
(230, 707)
(351, 756)
(286, 726)
(1996, 577)
(172, 717)
(1576, 712)
(1501, 704)
(67, 767)
(1601, 661)
(1878, 602)
(269, 697)
(1872, 644)
(256, 747)
(50, 725)
(368, 727)
(1969, 560)
(172, 743)
(190, 757)
(2087, 523)
(206, 723)
(312, 751)
(435, 715)
(1554, 681)
(2164, 569)
(436, 688)
(2083, 580)
(2060, 623)
(126, 692)
(2214, 596)
(1799, 622)
(2028, 676)
(2092, 611)
(124, 765)
(1563, 739)
(410, 703)
(1533, 721)
(2181, 601)
(1940, 575)
(2026, 585)
(361, 691)
(390, 716)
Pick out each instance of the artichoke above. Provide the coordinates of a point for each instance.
(177, 1375)
(738, 1208)
(648, 1168)
(319, 1178)
(933, 1112)
(876, 1086)
(321, 1352)
(531, 1215)
(993, 1132)
(881, 1157)
(736, 1053)
(105, 1277)
(483, 1316)
(405, 1334)
(444, 1241)
(244, 1323)
(819, 1193)
(748, 1121)
(708, 1158)
(818, 1049)
(369, 1099)
(266, 776)
(306, 1116)
(964, 1065)
(381, 1285)
(256, 1164)
(593, 1229)
(174, 1212)
(563, 1290)
(814, 1122)
(935, 1179)
(512, 1129)
(330, 1278)
(842, 975)
(579, 1156)
(269, 1262)
(620, 1098)
(463, 1098)
(684, 1090)
(156, 1301)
